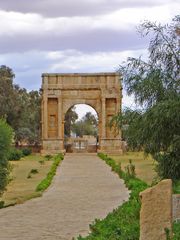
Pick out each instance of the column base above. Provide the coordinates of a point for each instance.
(111, 146)
(52, 146)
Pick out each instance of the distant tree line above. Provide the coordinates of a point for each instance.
(88, 125)
(20, 108)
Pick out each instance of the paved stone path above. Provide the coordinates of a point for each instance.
(83, 189)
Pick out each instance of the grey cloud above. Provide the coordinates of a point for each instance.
(59, 8)
(86, 41)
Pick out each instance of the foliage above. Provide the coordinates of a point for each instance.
(123, 222)
(27, 128)
(34, 171)
(130, 169)
(26, 151)
(15, 154)
(176, 230)
(157, 79)
(44, 184)
(70, 118)
(20, 108)
(86, 126)
(5, 142)
(1, 204)
(155, 86)
(8, 109)
(176, 187)
(48, 157)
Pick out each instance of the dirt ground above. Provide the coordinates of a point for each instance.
(83, 189)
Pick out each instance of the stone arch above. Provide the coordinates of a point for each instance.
(61, 91)
(70, 105)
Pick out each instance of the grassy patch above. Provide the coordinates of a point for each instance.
(176, 231)
(44, 184)
(20, 187)
(123, 222)
(144, 166)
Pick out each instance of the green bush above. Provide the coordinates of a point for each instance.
(48, 157)
(123, 222)
(5, 142)
(1, 204)
(169, 164)
(44, 184)
(34, 171)
(176, 187)
(176, 230)
(15, 154)
(26, 151)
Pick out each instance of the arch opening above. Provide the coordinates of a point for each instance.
(81, 129)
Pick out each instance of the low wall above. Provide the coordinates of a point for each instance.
(35, 149)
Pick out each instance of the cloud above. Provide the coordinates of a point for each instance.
(115, 31)
(55, 8)
(74, 35)
(88, 41)
(29, 66)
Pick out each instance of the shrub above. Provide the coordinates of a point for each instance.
(1, 204)
(29, 176)
(176, 230)
(34, 171)
(5, 142)
(44, 184)
(15, 154)
(169, 164)
(41, 162)
(26, 151)
(48, 157)
(176, 187)
(130, 169)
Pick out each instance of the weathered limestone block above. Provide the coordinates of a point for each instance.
(176, 207)
(156, 211)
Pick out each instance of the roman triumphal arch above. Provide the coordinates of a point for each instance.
(102, 91)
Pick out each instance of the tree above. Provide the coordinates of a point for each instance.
(8, 97)
(28, 128)
(70, 118)
(155, 86)
(5, 142)
(88, 125)
(20, 108)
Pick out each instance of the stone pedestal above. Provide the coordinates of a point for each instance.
(52, 146)
(111, 146)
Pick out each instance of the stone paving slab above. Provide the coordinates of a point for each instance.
(83, 189)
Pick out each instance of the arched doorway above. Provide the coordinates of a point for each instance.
(81, 129)
(60, 92)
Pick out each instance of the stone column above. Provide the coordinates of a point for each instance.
(103, 118)
(45, 117)
(118, 109)
(60, 133)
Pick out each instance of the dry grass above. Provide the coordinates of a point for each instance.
(22, 188)
(144, 165)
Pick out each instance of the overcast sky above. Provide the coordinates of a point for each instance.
(74, 35)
